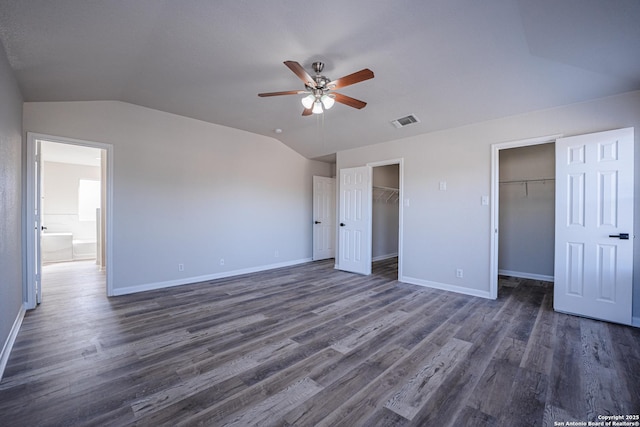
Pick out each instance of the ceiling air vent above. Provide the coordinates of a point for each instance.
(405, 121)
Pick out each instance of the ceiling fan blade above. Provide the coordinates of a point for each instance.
(354, 78)
(288, 92)
(301, 73)
(306, 112)
(347, 100)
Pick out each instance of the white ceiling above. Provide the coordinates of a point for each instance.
(450, 62)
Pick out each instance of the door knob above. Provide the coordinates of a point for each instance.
(317, 222)
(342, 224)
(621, 236)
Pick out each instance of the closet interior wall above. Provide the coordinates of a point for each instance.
(384, 210)
(527, 211)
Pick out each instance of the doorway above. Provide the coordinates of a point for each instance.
(69, 204)
(511, 182)
(593, 222)
(527, 212)
(356, 199)
(385, 215)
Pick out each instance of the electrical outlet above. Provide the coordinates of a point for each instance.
(221, 261)
(276, 253)
(443, 186)
(459, 273)
(180, 267)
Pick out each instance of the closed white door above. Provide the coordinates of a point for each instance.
(594, 225)
(324, 213)
(355, 220)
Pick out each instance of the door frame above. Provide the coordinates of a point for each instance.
(400, 163)
(495, 202)
(29, 296)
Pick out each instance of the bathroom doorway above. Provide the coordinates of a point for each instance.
(69, 187)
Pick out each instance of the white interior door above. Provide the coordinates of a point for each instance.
(354, 251)
(38, 224)
(324, 213)
(594, 225)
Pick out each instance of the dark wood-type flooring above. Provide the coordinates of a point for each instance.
(312, 346)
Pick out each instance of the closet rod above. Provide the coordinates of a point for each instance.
(525, 181)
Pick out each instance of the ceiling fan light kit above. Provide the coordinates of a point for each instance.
(308, 100)
(317, 108)
(318, 89)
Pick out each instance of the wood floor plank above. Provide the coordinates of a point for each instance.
(312, 345)
(411, 396)
(268, 411)
(368, 332)
(332, 396)
(493, 391)
(538, 355)
(606, 391)
(206, 379)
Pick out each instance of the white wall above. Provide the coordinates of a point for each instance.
(191, 192)
(384, 214)
(11, 264)
(527, 211)
(445, 230)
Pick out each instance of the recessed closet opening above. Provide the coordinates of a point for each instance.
(385, 216)
(527, 212)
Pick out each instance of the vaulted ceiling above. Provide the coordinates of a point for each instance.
(449, 62)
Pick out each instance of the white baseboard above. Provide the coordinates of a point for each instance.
(522, 275)
(381, 257)
(446, 287)
(11, 339)
(197, 279)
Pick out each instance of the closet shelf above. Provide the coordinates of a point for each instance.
(386, 194)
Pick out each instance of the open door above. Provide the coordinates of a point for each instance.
(37, 267)
(354, 252)
(324, 212)
(594, 225)
(33, 289)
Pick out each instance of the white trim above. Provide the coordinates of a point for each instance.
(522, 275)
(446, 287)
(205, 278)
(381, 257)
(635, 321)
(400, 162)
(32, 137)
(495, 203)
(11, 339)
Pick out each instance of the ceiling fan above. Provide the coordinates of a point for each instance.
(319, 89)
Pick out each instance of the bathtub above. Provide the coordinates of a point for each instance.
(60, 247)
(84, 249)
(56, 247)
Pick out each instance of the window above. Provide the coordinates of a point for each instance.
(88, 199)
